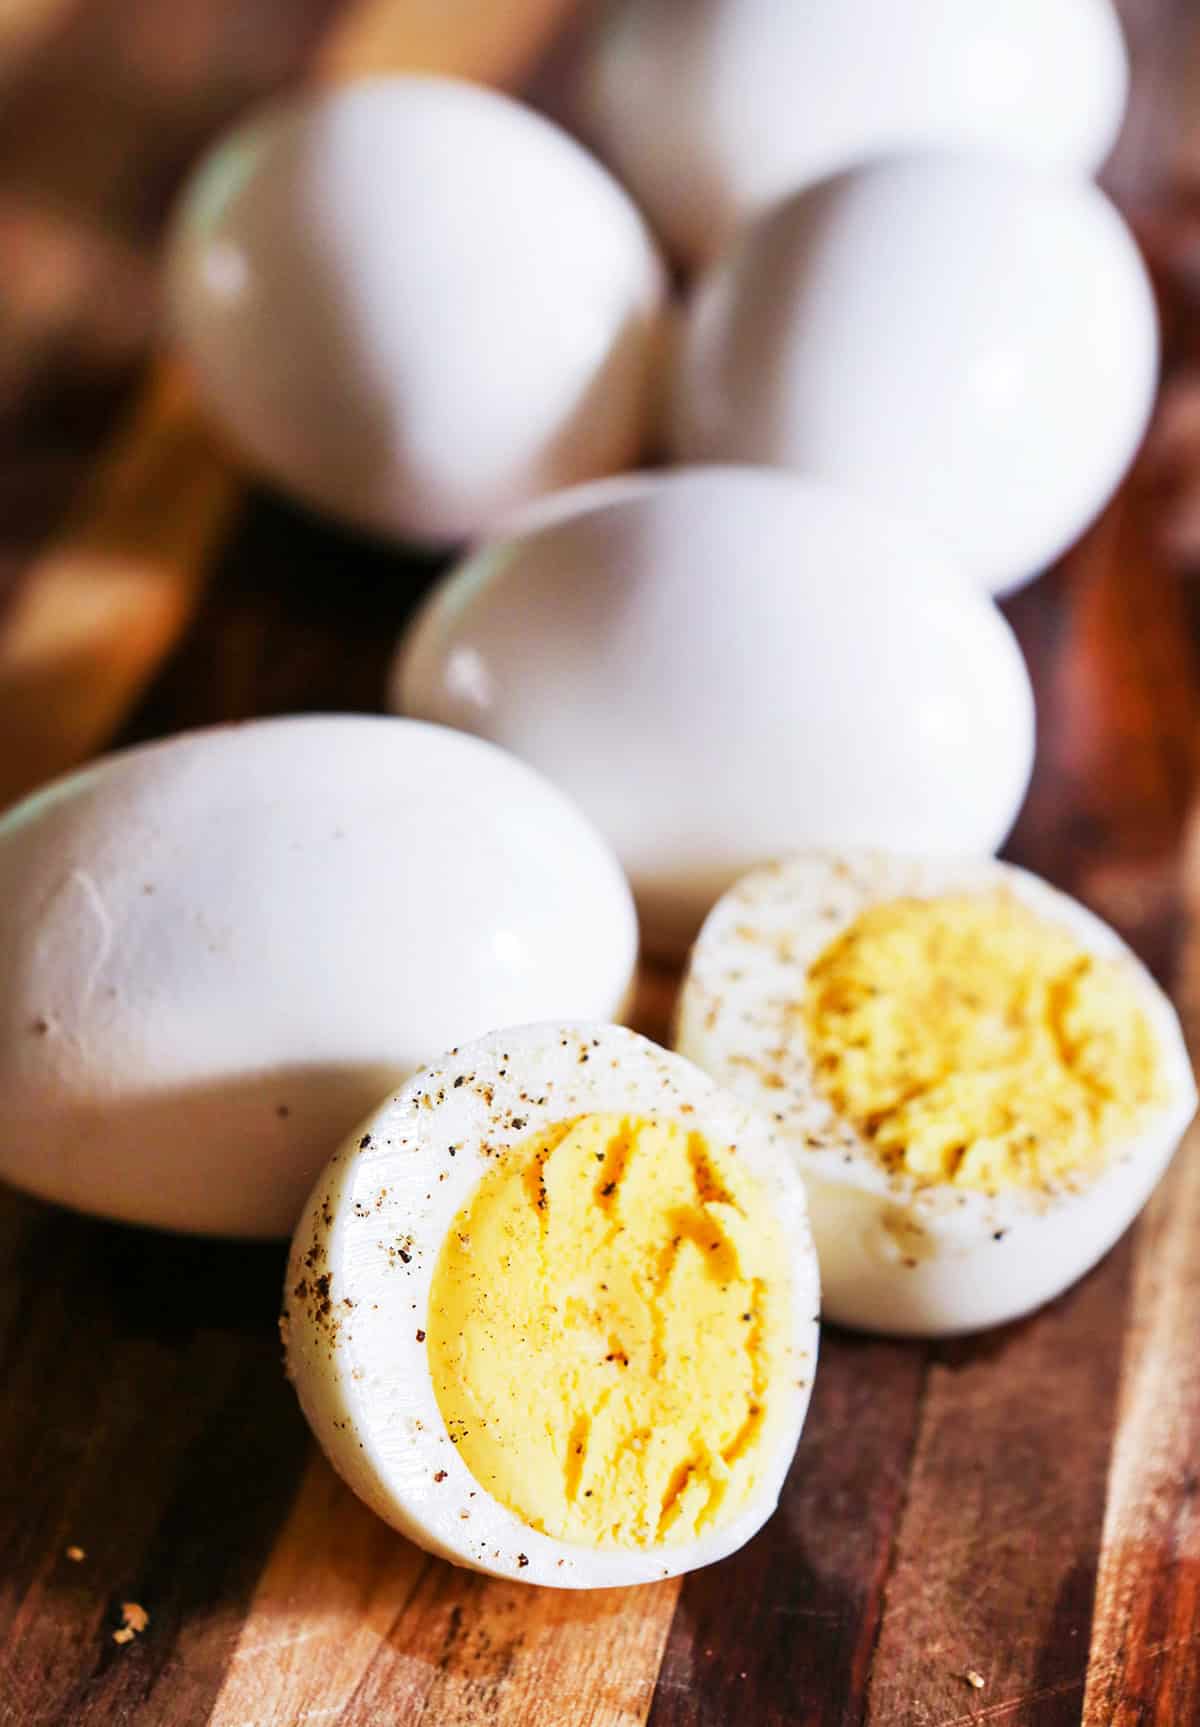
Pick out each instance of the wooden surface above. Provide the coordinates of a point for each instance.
(1025, 1505)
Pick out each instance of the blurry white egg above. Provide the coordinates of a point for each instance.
(711, 110)
(216, 953)
(417, 304)
(980, 1083)
(961, 339)
(720, 664)
(566, 1212)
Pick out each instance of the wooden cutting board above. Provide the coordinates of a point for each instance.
(1023, 1506)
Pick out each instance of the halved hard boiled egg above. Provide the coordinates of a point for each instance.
(552, 1310)
(980, 1083)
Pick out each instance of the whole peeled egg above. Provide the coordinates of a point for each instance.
(416, 303)
(959, 338)
(720, 664)
(218, 952)
(766, 97)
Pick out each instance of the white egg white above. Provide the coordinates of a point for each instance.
(218, 951)
(722, 664)
(898, 1256)
(374, 1226)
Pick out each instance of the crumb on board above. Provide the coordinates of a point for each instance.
(974, 1679)
(75, 1554)
(135, 1619)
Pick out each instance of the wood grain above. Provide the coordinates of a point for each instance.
(106, 600)
(1023, 1505)
(1144, 1661)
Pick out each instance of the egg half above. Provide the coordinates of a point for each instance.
(763, 97)
(552, 1310)
(964, 340)
(980, 1083)
(723, 664)
(416, 303)
(217, 952)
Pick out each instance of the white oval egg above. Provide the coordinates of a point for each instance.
(417, 304)
(552, 1310)
(218, 952)
(722, 664)
(959, 339)
(766, 97)
(980, 1083)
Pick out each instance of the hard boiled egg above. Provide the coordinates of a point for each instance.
(416, 304)
(217, 953)
(723, 664)
(551, 1310)
(980, 1083)
(709, 111)
(961, 339)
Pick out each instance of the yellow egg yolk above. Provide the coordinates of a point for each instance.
(606, 1327)
(973, 1042)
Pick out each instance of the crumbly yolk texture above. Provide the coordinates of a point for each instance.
(606, 1332)
(973, 1042)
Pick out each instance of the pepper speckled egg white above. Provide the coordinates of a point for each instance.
(980, 1083)
(552, 1310)
(723, 664)
(961, 339)
(217, 952)
(417, 304)
(766, 97)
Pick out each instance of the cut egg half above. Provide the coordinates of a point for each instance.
(552, 1310)
(979, 1081)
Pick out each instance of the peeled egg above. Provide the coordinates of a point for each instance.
(552, 1310)
(710, 111)
(416, 303)
(216, 953)
(722, 664)
(960, 339)
(980, 1083)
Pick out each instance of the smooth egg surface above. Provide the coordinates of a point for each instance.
(219, 951)
(961, 339)
(417, 304)
(980, 1083)
(552, 1310)
(767, 97)
(723, 664)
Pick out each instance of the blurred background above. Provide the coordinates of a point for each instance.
(148, 583)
